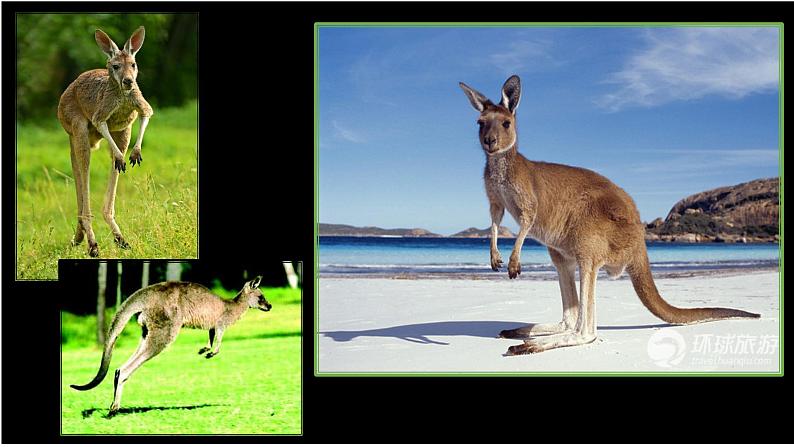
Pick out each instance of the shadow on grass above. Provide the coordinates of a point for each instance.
(418, 333)
(130, 410)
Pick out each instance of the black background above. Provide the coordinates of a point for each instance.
(256, 116)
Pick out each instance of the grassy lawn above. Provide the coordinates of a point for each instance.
(156, 203)
(253, 386)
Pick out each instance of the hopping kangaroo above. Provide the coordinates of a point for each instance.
(163, 309)
(585, 220)
(103, 103)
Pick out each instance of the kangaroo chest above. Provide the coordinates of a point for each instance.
(123, 116)
(504, 189)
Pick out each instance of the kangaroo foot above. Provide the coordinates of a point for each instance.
(513, 268)
(211, 355)
(528, 347)
(534, 329)
(121, 242)
(93, 250)
(203, 350)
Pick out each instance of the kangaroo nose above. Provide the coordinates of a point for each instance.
(127, 81)
(490, 141)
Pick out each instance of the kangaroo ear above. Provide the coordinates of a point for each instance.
(477, 99)
(255, 282)
(135, 41)
(511, 93)
(105, 43)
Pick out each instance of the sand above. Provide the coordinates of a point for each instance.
(377, 325)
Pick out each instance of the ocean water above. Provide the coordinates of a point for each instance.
(352, 256)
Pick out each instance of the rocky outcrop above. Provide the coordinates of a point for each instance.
(486, 232)
(748, 212)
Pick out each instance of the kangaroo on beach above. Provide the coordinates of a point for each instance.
(163, 309)
(103, 103)
(585, 220)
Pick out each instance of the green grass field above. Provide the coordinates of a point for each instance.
(156, 203)
(253, 386)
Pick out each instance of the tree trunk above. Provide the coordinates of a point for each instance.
(100, 303)
(145, 275)
(118, 284)
(173, 271)
(292, 277)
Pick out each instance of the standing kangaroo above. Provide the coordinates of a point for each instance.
(585, 221)
(103, 103)
(163, 309)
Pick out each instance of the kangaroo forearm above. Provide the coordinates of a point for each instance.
(102, 127)
(144, 123)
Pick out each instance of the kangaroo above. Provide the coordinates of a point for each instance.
(103, 103)
(585, 220)
(165, 308)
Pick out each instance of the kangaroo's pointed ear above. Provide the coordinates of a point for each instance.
(477, 99)
(511, 93)
(105, 43)
(135, 41)
(255, 282)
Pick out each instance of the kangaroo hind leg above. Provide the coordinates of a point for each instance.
(81, 162)
(566, 270)
(155, 339)
(585, 330)
(122, 139)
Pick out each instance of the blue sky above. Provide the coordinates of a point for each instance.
(663, 113)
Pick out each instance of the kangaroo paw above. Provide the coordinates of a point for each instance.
(93, 250)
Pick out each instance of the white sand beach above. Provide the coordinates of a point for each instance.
(372, 325)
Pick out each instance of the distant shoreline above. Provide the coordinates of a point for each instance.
(660, 241)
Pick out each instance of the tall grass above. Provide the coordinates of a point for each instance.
(252, 387)
(156, 203)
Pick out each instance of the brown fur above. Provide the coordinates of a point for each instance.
(585, 220)
(163, 309)
(103, 103)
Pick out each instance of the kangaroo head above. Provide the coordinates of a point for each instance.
(253, 296)
(497, 121)
(121, 63)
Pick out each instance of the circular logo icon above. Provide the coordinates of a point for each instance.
(666, 347)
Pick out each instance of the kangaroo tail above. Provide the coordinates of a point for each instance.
(127, 310)
(641, 278)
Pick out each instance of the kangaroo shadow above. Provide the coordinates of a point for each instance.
(418, 333)
(130, 410)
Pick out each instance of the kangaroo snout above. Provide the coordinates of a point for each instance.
(266, 307)
(127, 82)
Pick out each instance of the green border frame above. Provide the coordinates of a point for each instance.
(316, 329)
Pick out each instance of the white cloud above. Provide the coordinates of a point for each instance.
(691, 63)
(694, 161)
(523, 55)
(346, 134)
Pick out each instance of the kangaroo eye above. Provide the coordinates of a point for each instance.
(506, 124)
(115, 67)
(133, 65)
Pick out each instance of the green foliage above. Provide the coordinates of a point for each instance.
(156, 203)
(252, 387)
(53, 49)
